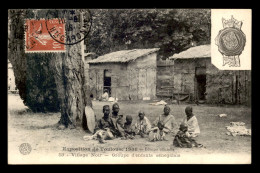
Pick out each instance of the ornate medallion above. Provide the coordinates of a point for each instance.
(231, 42)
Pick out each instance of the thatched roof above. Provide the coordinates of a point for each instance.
(123, 56)
(202, 51)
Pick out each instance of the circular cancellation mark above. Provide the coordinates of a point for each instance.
(25, 148)
(77, 24)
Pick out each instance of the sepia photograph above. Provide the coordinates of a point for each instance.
(129, 86)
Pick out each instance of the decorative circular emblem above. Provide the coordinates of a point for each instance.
(25, 148)
(231, 41)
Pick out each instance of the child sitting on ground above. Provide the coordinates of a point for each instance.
(192, 122)
(164, 125)
(104, 129)
(129, 128)
(183, 140)
(158, 133)
(143, 125)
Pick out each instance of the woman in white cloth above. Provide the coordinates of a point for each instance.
(192, 122)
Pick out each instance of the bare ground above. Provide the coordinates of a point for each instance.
(38, 130)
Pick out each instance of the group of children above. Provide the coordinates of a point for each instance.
(112, 126)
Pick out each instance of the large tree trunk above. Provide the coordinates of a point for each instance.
(33, 77)
(71, 85)
(66, 69)
(16, 53)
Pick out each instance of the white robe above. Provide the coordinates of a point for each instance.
(193, 126)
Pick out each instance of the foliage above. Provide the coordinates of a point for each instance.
(172, 30)
(41, 91)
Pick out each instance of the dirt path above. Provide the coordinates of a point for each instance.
(45, 140)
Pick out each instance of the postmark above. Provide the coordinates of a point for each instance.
(193, 76)
(38, 39)
(14, 13)
(15, 26)
(77, 25)
(25, 148)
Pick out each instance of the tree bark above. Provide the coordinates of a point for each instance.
(16, 53)
(71, 84)
(66, 70)
(33, 78)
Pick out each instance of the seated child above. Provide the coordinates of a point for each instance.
(182, 140)
(143, 125)
(192, 122)
(157, 133)
(164, 125)
(117, 120)
(129, 128)
(104, 129)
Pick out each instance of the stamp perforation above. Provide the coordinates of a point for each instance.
(52, 40)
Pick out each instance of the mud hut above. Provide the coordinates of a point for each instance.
(165, 79)
(197, 79)
(125, 74)
(88, 57)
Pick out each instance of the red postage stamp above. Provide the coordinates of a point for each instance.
(39, 39)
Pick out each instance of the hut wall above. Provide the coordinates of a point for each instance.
(185, 82)
(228, 86)
(119, 84)
(141, 75)
(184, 72)
(165, 78)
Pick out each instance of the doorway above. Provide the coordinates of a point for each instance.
(201, 82)
(107, 81)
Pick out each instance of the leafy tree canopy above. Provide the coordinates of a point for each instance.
(171, 30)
